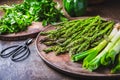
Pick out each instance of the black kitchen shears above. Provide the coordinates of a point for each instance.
(17, 52)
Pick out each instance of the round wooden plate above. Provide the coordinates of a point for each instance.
(64, 64)
(31, 32)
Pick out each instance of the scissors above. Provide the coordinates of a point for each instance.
(17, 52)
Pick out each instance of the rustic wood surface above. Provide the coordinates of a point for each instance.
(33, 68)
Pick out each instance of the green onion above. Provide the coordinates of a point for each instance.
(95, 63)
(117, 66)
(113, 52)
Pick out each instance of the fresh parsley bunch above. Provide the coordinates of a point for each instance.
(19, 16)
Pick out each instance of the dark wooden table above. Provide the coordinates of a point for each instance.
(33, 68)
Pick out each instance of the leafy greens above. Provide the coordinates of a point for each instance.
(19, 16)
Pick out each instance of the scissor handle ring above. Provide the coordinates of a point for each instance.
(23, 57)
(8, 54)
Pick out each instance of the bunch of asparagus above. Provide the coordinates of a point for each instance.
(106, 53)
(77, 35)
